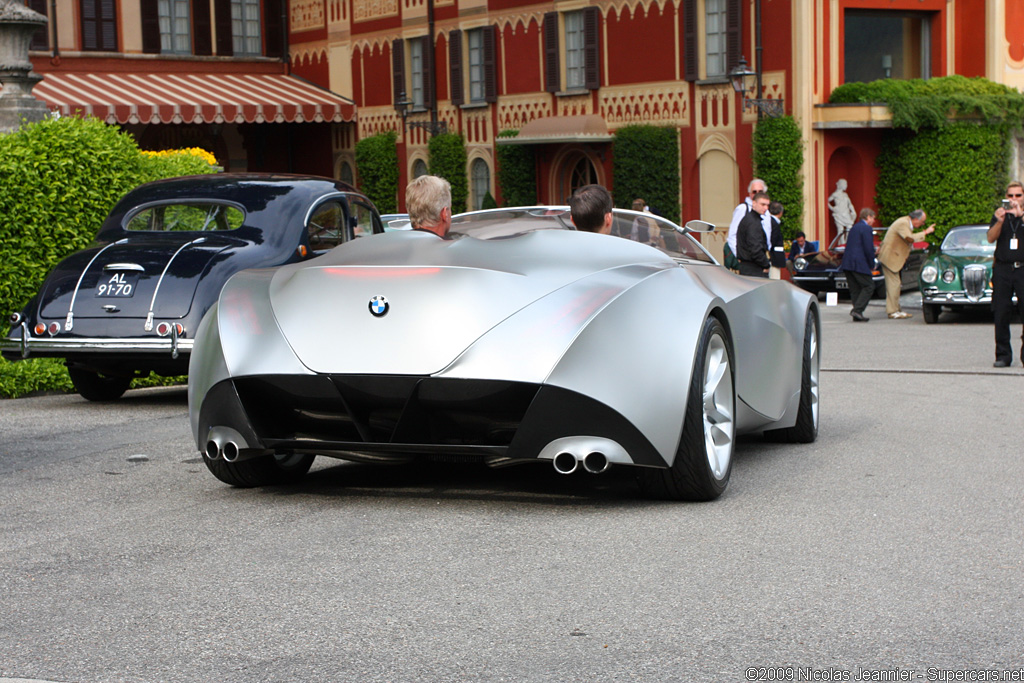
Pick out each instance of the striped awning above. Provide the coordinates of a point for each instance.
(192, 98)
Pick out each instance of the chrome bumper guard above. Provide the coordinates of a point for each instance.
(954, 298)
(28, 345)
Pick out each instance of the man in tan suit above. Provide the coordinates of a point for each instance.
(893, 255)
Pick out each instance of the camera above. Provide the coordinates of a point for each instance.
(1007, 205)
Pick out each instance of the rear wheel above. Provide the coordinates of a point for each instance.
(266, 470)
(95, 386)
(703, 463)
(931, 312)
(806, 428)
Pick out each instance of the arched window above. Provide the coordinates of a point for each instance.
(419, 167)
(480, 177)
(345, 173)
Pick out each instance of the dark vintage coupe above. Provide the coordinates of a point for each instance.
(131, 303)
(821, 272)
(959, 276)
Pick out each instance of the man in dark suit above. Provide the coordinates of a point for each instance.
(859, 262)
(751, 240)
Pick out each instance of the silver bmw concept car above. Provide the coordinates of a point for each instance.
(518, 339)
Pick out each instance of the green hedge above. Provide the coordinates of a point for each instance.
(956, 173)
(778, 158)
(377, 167)
(646, 164)
(446, 158)
(517, 173)
(59, 178)
(917, 104)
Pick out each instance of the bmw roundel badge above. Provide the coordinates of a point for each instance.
(379, 306)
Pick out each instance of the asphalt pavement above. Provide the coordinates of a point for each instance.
(892, 548)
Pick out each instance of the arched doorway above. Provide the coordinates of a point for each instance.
(572, 171)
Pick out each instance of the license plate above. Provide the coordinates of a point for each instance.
(841, 284)
(117, 285)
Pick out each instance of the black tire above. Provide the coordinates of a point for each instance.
(266, 470)
(931, 312)
(806, 428)
(703, 463)
(94, 386)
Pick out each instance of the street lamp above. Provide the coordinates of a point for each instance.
(403, 107)
(740, 77)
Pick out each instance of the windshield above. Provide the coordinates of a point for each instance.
(637, 226)
(972, 238)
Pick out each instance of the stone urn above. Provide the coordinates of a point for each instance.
(17, 105)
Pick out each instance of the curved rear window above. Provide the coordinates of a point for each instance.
(186, 217)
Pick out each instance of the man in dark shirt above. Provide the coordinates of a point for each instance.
(1007, 231)
(751, 241)
(858, 262)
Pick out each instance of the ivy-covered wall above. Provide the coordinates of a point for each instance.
(517, 173)
(778, 158)
(955, 173)
(377, 168)
(646, 164)
(949, 150)
(446, 158)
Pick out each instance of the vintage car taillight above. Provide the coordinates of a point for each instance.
(164, 329)
(54, 328)
(39, 329)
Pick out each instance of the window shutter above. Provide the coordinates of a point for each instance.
(99, 25)
(202, 38)
(108, 25)
(398, 69)
(591, 47)
(490, 64)
(41, 38)
(455, 67)
(552, 76)
(690, 40)
(429, 85)
(222, 19)
(273, 28)
(733, 34)
(151, 26)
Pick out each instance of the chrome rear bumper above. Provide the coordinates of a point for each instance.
(26, 346)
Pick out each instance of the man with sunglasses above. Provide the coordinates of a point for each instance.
(1007, 231)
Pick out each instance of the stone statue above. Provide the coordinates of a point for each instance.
(843, 212)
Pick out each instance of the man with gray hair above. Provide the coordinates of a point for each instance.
(428, 199)
(743, 208)
(893, 256)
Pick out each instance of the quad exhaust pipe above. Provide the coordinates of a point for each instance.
(594, 462)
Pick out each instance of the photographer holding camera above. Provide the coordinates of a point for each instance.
(1007, 231)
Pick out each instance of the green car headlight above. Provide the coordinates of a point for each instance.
(948, 275)
(929, 273)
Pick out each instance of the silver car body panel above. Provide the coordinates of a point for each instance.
(602, 316)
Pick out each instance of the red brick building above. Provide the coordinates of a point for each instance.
(567, 74)
(179, 73)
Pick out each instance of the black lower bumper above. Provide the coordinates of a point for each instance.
(411, 415)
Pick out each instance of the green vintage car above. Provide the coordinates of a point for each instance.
(959, 276)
